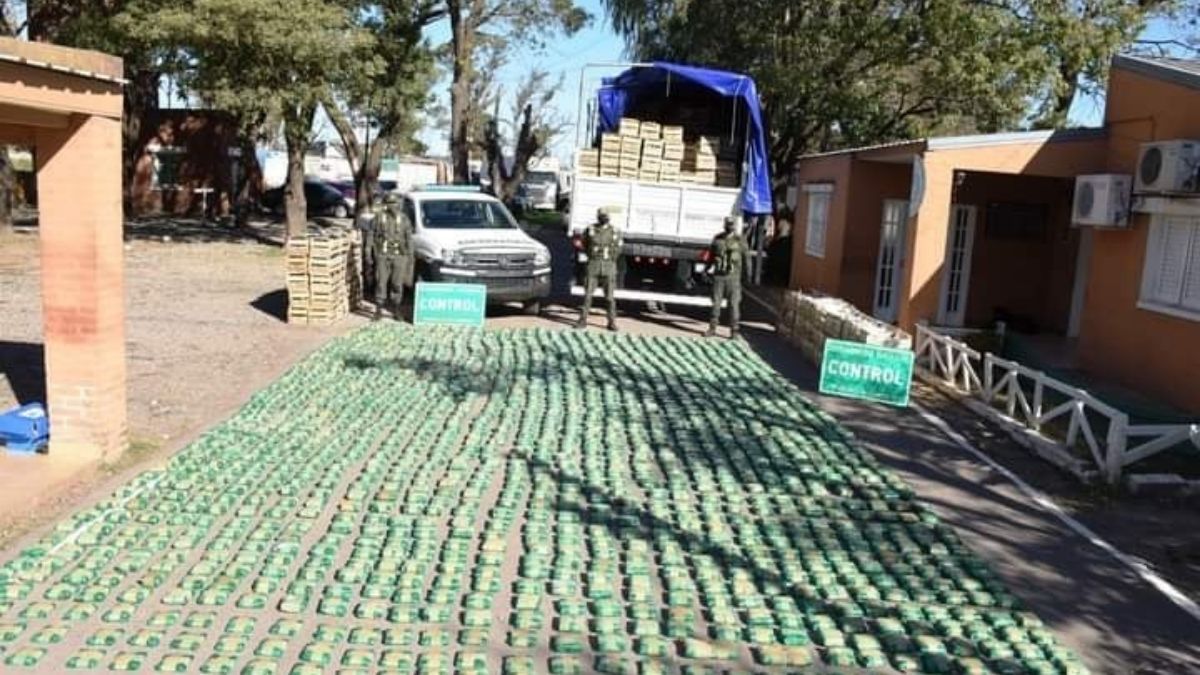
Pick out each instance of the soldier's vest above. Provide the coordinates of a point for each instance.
(603, 245)
(729, 254)
(389, 240)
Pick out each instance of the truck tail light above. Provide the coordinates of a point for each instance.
(577, 242)
(705, 255)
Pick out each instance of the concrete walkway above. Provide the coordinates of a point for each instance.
(1112, 619)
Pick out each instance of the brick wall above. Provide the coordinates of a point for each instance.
(79, 184)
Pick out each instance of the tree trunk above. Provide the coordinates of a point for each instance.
(296, 126)
(528, 145)
(366, 179)
(462, 41)
(251, 177)
(140, 102)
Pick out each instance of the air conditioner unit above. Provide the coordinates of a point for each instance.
(1101, 200)
(1168, 166)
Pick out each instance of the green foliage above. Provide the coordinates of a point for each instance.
(253, 56)
(850, 72)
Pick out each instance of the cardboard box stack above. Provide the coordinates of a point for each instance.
(319, 282)
(652, 152)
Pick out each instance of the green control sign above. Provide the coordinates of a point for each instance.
(450, 304)
(856, 370)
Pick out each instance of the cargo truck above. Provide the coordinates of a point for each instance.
(668, 223)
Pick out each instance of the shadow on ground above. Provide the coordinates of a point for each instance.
(1117, 622)
(23, 364)
(1069, 582)
(273, 304)
(195, 231)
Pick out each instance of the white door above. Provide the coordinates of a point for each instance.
(890, 268)
(956, 271)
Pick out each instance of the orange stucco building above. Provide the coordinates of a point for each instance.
(968, 231)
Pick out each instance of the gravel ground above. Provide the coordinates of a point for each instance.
(203, 332)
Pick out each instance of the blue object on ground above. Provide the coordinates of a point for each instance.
(25, 429)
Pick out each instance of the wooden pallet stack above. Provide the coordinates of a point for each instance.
(296, 261)
(319, 284)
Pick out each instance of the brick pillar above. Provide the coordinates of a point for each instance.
(80, 220)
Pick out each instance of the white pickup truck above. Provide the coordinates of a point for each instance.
(464, 236)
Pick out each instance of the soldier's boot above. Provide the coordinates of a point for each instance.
(581, 322)
(397, 315)
(712, 330)
(612, 325)
(378, 311)
(734, 333)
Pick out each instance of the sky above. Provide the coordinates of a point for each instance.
(599, 44)
(565, 56)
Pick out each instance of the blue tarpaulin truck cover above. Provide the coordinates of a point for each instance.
(654, 81)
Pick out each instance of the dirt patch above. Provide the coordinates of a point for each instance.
(204, 330)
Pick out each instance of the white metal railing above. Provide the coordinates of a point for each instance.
(1059, 412)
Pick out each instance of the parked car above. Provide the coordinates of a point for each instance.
(324, 199)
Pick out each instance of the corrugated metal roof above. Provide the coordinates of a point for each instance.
(865, 148)
(20, 60)
(1016, 138)
(1184, 72)
(974, 141)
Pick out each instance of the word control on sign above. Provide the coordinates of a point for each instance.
(450, 304)
(867, 372)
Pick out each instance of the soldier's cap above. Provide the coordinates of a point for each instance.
(603, 211)
(731, 220)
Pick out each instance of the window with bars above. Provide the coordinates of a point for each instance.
(817, 222)
(1171, 277)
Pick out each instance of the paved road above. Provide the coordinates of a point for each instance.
(1117, 622)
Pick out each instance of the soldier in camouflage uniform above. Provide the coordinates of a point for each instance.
(602, 242)
(728, 255)
(393, 249)
(367, 227)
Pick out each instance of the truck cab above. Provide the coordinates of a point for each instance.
(464, 236)
(539, 191)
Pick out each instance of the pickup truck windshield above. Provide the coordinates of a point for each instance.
(465, 214)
